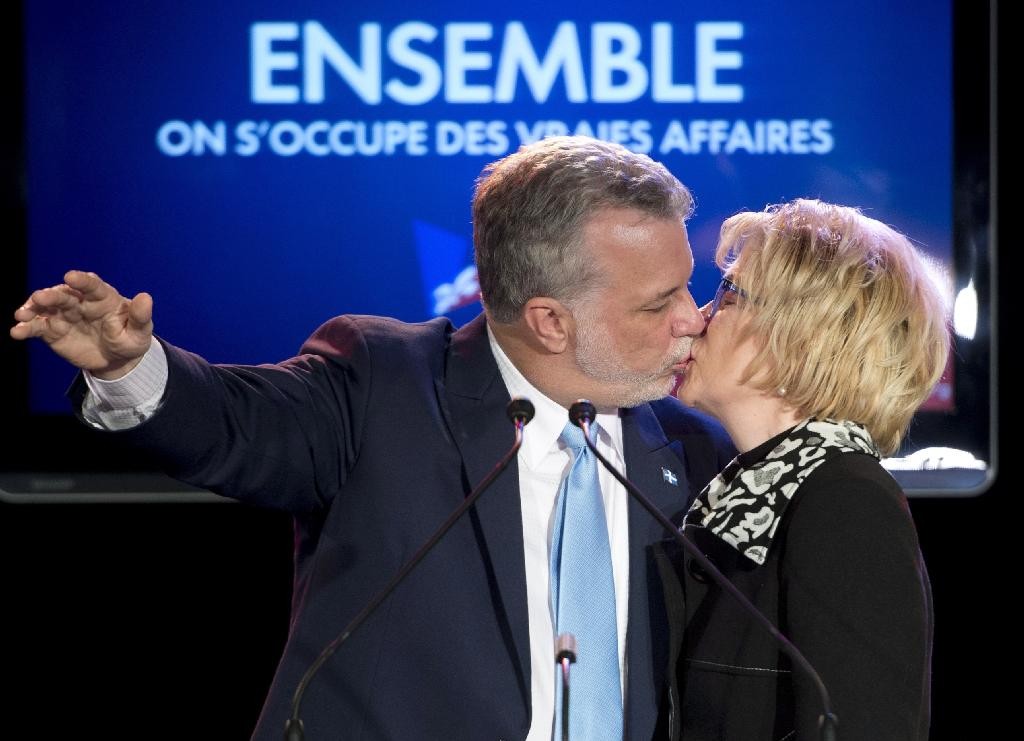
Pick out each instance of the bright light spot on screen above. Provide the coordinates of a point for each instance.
(965, 312)
(934, 459)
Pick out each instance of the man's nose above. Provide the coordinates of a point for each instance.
(689, 320)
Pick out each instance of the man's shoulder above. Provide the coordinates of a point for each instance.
(384, 328)
(352, 334)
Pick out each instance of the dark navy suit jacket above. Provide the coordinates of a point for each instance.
(371, 437)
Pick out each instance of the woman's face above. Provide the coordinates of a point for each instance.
(718, 359)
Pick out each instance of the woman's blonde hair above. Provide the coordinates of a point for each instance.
(852, 317)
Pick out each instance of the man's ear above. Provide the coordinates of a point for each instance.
(549, 323)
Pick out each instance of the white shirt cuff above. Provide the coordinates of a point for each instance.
(130, 400)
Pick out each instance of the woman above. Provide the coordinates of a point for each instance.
(825, 336)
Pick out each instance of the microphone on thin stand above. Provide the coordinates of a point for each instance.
(581, 414)
(520, 411)
(565, 654)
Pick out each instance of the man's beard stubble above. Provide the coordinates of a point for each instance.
(625, 387)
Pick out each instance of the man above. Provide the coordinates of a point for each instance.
(379, 429)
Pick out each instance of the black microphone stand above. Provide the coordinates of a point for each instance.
(520, 411)
(565, 655)
(582, 413)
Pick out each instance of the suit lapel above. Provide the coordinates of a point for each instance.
(473, 398)
(656, 466)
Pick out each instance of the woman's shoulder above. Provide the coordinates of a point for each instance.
(855, 480)
(851, 500)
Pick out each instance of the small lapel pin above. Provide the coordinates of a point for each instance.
(669, 477)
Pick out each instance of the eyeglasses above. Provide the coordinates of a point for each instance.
(725, 288)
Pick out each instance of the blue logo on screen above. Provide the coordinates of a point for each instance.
(447, 271)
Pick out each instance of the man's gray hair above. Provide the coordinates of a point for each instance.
(530, 208)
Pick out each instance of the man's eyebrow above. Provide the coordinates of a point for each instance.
(663, 295)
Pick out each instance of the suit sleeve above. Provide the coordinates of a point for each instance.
(856, 601)
(282, 435)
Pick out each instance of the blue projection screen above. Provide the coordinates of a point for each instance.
(260, 167)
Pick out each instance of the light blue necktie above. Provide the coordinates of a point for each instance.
(583, 595)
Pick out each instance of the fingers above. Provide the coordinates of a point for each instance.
(38, 324)
(83, 299)
(47, 311)
(97, 299)
(50, 310)
(86, 282)
(77, 288)
(140, 312)
(22, 331)
(48, 301)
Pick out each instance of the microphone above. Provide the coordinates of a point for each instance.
(519, 411)
(582, 414)
(565, 655)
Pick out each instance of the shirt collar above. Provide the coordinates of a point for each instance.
(549, 416)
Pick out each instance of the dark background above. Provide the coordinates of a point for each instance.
(150, 621)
